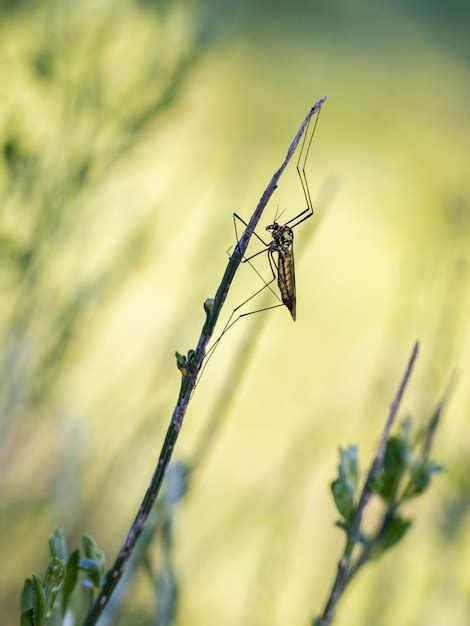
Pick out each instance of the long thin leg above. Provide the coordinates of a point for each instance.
(302, 220)
(271, 263)
(210, 353)
(301, 165)
(267, 308)
(230, 323)
(293, 219)
(235, 215)
(303, 180)
(247, 260)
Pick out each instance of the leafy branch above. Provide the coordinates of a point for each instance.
(400, 471)
(47, 600)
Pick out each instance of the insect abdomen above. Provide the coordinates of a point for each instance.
(286, 281)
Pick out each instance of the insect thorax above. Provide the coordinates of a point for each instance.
(283, 237)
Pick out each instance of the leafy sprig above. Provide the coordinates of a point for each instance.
(46, 601)
(400, 471)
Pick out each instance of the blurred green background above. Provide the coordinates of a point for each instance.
(130, 131)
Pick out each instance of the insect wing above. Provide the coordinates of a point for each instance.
(286, 279)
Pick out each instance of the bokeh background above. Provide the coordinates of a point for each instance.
(130, 131)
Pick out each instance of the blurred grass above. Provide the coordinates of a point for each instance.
(130, 132)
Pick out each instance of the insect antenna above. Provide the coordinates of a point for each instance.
(278, 214)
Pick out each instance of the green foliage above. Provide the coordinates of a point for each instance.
(405, 473)
(344, 498)
(406, 470)
(71, 576)
(46, 602)
(420, 478)
(27, 603)
(184, 363)
(400, 470)
(53, 581)
(345, 486)
(393, 530)
(348, 469)
(58, 544)
(94, 564)
(39, 601)
(397, 452)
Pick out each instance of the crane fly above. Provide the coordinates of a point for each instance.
(282, 238)
(280, 250)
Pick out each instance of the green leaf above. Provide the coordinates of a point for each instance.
(53, 580)
(27, 595)
(92, 551)
(54, 575)
(348, 469)
(393, 531)
(71, 576)
(27, 618)
(421, 476)
(181, 362)
(92, 570)
(343, 493)
(344, 487)
(39, 602)
(58, 545)
(396, 460)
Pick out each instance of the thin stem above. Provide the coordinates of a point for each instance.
(345, 569)
(187, 386)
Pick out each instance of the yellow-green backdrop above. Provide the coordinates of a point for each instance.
(130, 132)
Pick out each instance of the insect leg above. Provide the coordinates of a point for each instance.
(273, 262)
(304, 152)
(230, 322)
(299, 215)
(267, 285)
(236, 216)
(302, 220)
(301, 164)
(267, 308)
(247, 260)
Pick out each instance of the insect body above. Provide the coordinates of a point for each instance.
(283, 243)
